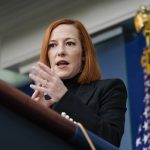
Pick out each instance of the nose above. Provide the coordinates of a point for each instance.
(61, 51)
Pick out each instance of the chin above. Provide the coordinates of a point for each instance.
(63, 76)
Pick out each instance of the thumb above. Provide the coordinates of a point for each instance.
(37, 94)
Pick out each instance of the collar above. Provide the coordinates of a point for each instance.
(71, 82)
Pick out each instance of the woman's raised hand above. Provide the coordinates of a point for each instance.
(46, 82)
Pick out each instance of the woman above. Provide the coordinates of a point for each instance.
(69, 74)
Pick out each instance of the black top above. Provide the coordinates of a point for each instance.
(100, 106)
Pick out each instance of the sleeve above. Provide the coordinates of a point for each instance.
(107, 120)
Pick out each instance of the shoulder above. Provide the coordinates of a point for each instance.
(106, 87)
(112, 91)
(107, 83)
(110, 86)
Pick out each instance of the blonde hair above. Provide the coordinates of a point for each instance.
(90, 71)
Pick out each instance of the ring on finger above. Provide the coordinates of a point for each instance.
(45, 83)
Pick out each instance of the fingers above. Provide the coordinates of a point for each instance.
(36, 99)
(42, 73)
(45, 68)
(38, 88)
(47, 82)
(35, 94)
(38, 80)
(46, 103)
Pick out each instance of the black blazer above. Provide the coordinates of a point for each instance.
(100, 106)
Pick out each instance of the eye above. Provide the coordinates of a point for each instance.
(70, 43)
(52, 45)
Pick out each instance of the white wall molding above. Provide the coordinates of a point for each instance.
(103, 14)
(107, 35)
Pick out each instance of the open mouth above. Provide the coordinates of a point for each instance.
(62, 63)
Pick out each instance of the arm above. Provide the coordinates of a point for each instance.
(103, 114)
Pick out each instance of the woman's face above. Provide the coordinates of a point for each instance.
(65, 51)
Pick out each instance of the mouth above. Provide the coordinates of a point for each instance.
(62, 63)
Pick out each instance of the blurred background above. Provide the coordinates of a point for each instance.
(111, 26)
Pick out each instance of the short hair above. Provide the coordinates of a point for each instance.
(90, 68)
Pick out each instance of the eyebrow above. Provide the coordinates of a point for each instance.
(52, 41)
(65, 39)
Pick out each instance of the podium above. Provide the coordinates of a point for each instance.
(25, 124)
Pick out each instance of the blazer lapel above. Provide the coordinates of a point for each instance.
(86, 92)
